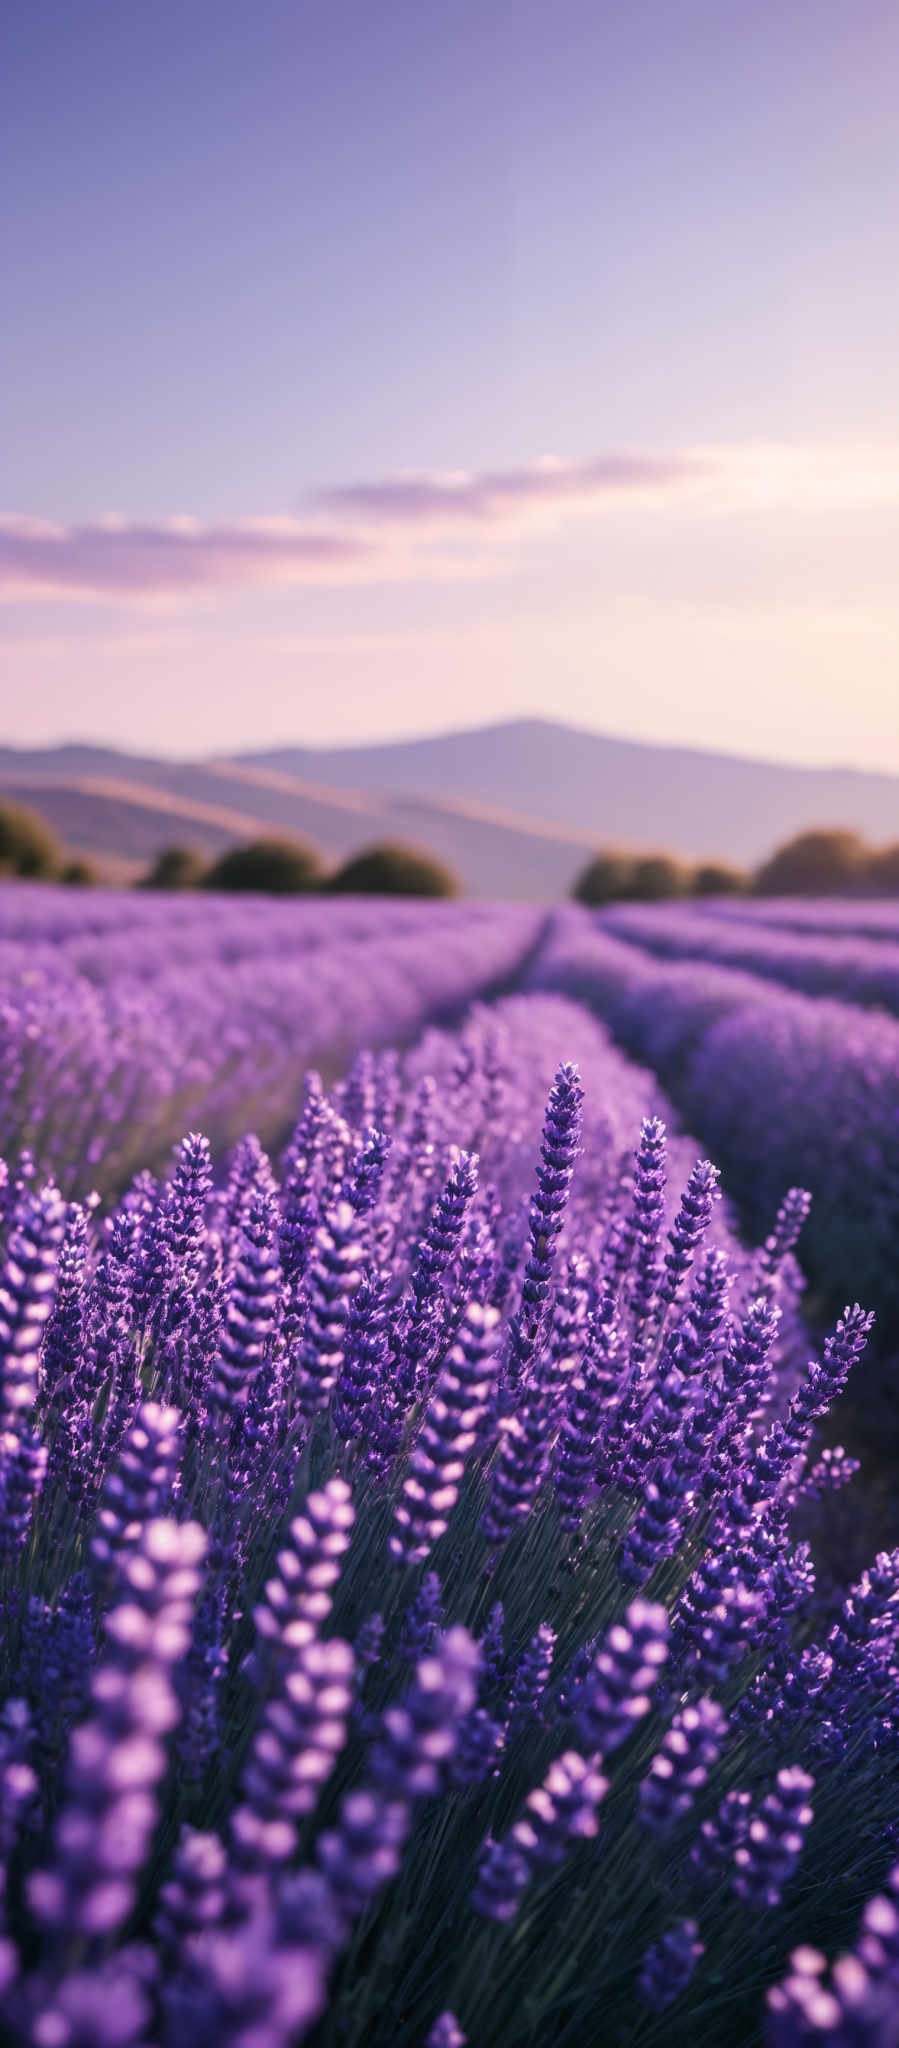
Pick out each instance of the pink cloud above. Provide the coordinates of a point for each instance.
(389, 529)
(500, 496)
(172, 557)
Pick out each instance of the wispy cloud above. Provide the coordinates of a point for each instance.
(431, 525)
(502, 497)
(172, 557)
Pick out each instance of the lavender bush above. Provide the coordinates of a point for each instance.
(407, 1637)
(125, 1019)
(781, 1087)
(855, 968)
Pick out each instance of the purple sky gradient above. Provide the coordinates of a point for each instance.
(300, 299)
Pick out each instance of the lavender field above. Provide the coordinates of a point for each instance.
(420, 1330)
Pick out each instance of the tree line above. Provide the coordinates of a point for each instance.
(819, 863)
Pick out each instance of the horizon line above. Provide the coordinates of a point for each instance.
(405, 738)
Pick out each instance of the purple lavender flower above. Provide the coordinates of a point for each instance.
(680, 1768)
(297, 1599)
(301, 1732)
(720, 1837)
(195, 1895)
(362, 1185)
(448, 1435)
(117, 1759)
(531, 1678)
(422, 1323)
(616, 1691)
(519, 1469)
(791, 1216)
(26, 1298)
(669, 1965)
(446, 2033)
(588, 1396)
(251, 1309)
(138, 1487)
(561, 1810)
(408, 1761)
(558, 1152)
(768, 1856)
(689, 1227)
(334, 1275)
(646, 1217)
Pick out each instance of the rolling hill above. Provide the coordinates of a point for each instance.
(514, 808)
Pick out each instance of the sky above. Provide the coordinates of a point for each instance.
(372, 370)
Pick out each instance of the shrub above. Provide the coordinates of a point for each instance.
(814, 864)
(393, 870)
(883, 870)
(657, 877)
(176, 867)
(80, 874)
(716, 879)
(606, 879)
(268, 867)
(28, 847)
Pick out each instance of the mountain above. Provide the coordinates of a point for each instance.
(514, 808)
(629, 792)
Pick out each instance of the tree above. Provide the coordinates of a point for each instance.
(268, 867)
(658, 876)
(176, 867)
(716, 879)
(80, 873)
(883, 870)
(605, 879)
(823, 863)
(28, 847)
(390, 869)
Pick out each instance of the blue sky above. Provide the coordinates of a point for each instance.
(264, 260)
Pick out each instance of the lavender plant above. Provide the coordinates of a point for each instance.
(409, 1628)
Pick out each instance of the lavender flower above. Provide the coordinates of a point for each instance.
(26, 1298)
(767, 1858)
(558, 1152)
(616, 1691)
(681, 1767)
(669, 1965)
(333, 1277)
(116, 1759)
(563, 1809)
(448, 1435)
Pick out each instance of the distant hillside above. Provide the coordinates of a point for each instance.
(119, 808)
(514, 808)
(688, 801)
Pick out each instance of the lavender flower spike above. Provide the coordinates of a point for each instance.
(616, 1692)
(449, 1433)
(681, 1766)
(117, 1758)
(558, 1152)
(766, 1859)
(669, 1965)
(26, 1298)
(561, 1810)
(446, 2033)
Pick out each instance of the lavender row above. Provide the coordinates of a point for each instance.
(854, 969)
(410, 1635)
(781, 1087)
(102, 1068)
(858, 916)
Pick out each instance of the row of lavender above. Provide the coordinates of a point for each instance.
(125, 1020)
(781, 1087)
(856, 969)
(407, 1637)
(852, 916)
